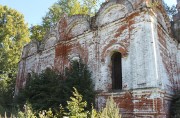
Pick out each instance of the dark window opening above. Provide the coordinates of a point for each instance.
(116, 71)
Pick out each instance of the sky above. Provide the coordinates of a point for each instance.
(34, 10)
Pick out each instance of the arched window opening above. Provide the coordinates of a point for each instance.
(116, 71)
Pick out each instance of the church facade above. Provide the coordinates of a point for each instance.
(128, 46)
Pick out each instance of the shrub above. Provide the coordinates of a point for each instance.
(79, 76)
(28, 113)
(50, 89)
(42, 91)
(76, 106)
(111, 110)
(76, 109)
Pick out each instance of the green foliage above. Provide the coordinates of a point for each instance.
(111, 110)
(43, 91)
(37, 32)
(49, 113)
(6, 95)
(69, 7)
(61, 112)
(175, 107)
(78, 76)
(28, 113)
(50, 89)
(13, 35)
(94, 113)
(76, 109)
(76, 106)
(57, 10)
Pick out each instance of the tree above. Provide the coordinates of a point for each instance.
(69, 7)
(42, 91)
(28, 112)
(37, 32)
(111, 110)
(57, 10)
(79, 76)
(76, 106)
(171, 11)
(14, 35)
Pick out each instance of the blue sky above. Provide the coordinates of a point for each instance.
(34, 10)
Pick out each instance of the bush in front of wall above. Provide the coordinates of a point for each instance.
(75, 109)
(50, 88)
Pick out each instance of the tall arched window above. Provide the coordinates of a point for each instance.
(116, 71)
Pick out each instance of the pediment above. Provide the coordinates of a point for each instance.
(112, 13)
(73, 26)
(78, 27)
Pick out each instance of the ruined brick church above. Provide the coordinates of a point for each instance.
(131, 48)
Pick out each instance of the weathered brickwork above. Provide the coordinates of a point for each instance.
(142, 34)
(148, 103)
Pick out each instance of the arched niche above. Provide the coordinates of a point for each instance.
(77, 25)
(69, 27)
(112, 11)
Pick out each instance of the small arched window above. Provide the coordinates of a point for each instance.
(116, 71)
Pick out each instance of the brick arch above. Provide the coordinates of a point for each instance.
(70, 27)
(78, 25)
(106, 55)
(110, 49)
(112, 11)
